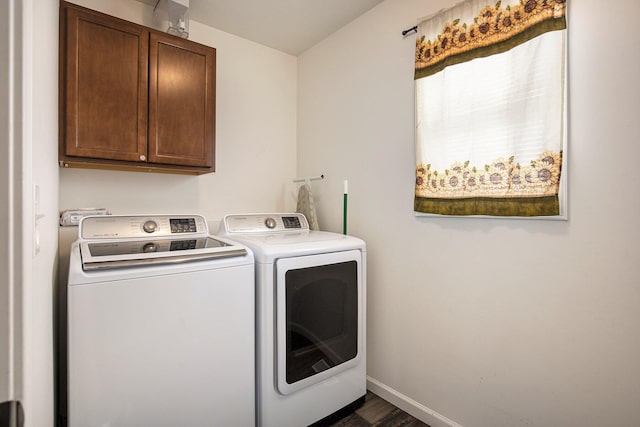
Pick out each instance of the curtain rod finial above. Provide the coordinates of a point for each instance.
(405, 32)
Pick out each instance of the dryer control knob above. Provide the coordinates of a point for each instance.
(150, 226)
(270, 222)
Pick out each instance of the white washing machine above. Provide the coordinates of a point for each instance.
(160, 325)
(310, 302)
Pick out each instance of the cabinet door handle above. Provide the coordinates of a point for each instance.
(143, 157)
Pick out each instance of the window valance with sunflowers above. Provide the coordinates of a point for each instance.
(491, 109)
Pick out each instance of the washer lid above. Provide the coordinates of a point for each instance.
(108, 242)
(133, 253)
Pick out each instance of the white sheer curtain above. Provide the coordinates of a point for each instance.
(491, 109)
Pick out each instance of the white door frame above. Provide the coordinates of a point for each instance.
(11, 201)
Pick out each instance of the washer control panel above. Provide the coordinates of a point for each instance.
(264, 223)
(134, 226)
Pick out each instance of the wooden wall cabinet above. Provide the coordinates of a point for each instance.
(133, 98)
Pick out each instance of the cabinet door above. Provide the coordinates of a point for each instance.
(181, 102)
(105, 96)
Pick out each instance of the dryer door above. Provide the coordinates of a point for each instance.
(319, 320)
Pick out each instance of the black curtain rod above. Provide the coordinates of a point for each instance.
(405, 32)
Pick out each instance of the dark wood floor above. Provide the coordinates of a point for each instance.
(377, 412)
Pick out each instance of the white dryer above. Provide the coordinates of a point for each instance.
(310, 301)
(160, 325)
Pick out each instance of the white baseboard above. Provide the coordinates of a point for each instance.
(410, 406)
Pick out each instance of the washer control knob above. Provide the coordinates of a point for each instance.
(149, 247)
(150, 226)
(270, 222)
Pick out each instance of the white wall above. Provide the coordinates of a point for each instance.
(487, 322)
(255, 137)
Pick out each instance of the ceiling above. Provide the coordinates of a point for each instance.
(291, 26)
